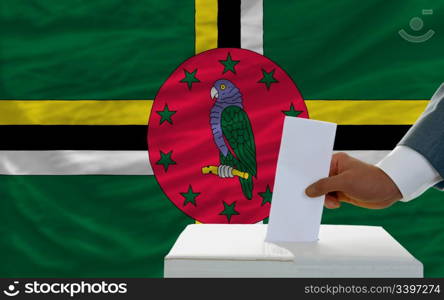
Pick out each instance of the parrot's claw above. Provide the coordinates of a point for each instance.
(225, 171)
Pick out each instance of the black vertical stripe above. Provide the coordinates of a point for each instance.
(229, 24)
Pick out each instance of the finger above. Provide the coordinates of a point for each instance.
(332, 197)
(341, 197)
(326, 185)
(369, 205)
(337, 159)
(334, 165)
(331, 203)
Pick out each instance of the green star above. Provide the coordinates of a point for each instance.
(190, 78)
(229, 64)
(268, 78)
(166, 160)
(166, 114)
(190, 196)
(266, 196)
(229, 210)
(292, 112)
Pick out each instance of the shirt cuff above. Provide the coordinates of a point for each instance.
(410, 171)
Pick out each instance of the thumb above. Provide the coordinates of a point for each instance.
(325, 186)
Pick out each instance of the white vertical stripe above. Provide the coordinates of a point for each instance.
(252, 25)
(252, 39)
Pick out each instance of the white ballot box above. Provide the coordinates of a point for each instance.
(216, 250)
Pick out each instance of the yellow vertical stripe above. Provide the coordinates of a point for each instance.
(205, 25)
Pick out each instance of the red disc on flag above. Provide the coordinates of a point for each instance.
(214, 134)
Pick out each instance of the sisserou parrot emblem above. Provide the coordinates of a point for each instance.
(233, 136)
(214, 135)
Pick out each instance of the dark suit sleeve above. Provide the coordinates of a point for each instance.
(427, 135)
(440, 186)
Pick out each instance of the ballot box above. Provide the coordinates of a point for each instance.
(221, 250)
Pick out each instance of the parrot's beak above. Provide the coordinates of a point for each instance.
(214, 93)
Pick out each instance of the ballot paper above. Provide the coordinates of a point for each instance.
(304, 157)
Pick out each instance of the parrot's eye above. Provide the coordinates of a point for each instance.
(222, 86)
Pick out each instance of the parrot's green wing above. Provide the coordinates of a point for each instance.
(236, 128)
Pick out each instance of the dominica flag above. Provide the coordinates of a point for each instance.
(123, 121)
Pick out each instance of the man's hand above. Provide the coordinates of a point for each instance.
(353, 181)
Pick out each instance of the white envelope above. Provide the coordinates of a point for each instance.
(304, 157)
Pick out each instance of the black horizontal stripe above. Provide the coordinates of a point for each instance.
(229, 24)
(73, 137)
(133, 137)
(369, 137)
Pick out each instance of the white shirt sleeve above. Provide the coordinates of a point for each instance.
(410, 171)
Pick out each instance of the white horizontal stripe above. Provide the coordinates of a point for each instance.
(252, 25)
(69, 162)
(369, 156)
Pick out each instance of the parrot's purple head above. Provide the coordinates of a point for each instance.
(224, 90)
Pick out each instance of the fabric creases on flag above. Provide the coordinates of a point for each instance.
(70, 71)
(61, 63)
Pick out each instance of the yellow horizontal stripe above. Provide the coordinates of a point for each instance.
(74, 112)
(136, 112)
(366, 112)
